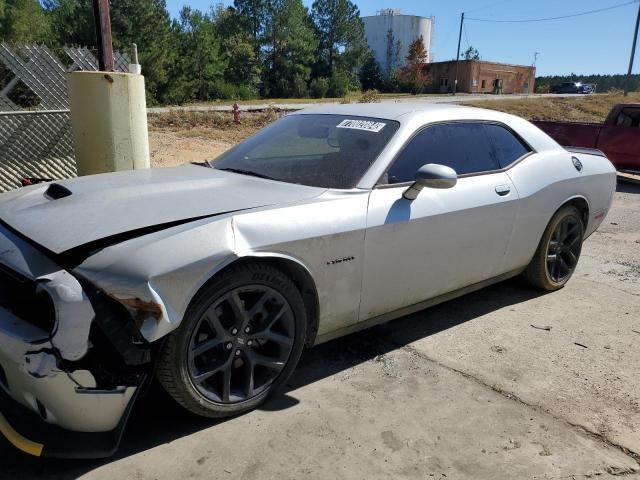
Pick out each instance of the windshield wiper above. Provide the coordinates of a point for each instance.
(246, 172)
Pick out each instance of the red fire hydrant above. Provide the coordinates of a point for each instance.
(236, 113)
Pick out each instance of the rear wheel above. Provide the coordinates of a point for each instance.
(557, 255)
(239, 342)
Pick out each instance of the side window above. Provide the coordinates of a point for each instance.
(629, 117)
(465, 147)
(507, 147)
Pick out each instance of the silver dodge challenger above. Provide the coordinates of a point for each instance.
(213, 278)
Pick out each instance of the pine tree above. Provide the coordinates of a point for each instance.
(143, 22)
(370, 74)
(292, 45)
(72, 22)
(198, 66)
(24, 21)
(255, 15)
(394, 47)
(242, 63)
(341, 34)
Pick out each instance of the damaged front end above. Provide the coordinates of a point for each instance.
(72, 358)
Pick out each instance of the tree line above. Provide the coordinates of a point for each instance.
(604, 83)
(255, 48)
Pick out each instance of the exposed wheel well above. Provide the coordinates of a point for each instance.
(582, 206)
(304, 283)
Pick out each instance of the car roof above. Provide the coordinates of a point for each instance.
(385, 110)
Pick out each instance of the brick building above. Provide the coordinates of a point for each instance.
(478, 76)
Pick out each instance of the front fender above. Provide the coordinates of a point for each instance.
(155, 277)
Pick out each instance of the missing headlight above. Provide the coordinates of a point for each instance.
(22, 297)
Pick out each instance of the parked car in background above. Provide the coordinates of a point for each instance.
(587, 88)
(213, 278)
(572, 87)
(618, 137)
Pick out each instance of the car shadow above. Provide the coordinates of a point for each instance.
(157, 419)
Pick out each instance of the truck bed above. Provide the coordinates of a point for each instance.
(572, 134)
(618, 137)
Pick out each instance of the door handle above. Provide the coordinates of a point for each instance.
(503, 190)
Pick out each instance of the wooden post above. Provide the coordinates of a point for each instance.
(455, 82)
(103, 35)
(627, 84)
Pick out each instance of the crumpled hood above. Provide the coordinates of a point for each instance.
(100, 206)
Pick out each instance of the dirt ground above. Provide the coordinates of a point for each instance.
(506, 383)
(182, 137)
(174, 148)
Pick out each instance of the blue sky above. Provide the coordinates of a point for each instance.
(598, 43)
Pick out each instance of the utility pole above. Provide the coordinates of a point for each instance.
(103, 35)
(627, 84)
(455, 82)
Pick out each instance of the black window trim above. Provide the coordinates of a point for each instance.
(464, 175)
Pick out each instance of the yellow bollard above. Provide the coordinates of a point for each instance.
(109, 121)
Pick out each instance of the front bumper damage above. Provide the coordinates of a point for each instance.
(71, 360)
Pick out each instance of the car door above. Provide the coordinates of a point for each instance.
(620, 140)
(443, 240)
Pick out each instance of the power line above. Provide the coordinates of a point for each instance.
(466, 37)
(554, 18)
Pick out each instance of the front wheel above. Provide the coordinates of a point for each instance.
(239, 342)
(557, 254)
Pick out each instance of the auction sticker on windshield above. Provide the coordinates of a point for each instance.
(367, 125)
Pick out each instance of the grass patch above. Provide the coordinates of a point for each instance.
(212, 125)
(588, 108)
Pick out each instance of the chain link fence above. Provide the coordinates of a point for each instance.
(35, 125)
(35, 144)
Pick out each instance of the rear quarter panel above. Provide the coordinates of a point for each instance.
(547, 180)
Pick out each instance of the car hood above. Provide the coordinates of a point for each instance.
(69, 213)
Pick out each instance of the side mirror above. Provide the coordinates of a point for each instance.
(431, 175)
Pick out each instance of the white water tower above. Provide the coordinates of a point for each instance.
(405, 29)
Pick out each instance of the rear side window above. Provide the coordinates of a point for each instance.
(465, 147)
(629, 117)
(507, 148)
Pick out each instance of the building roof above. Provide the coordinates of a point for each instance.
(484, 61)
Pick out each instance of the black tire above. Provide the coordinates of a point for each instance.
(559, 250)
(266, 351)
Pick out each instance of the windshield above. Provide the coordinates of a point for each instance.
(329, 151)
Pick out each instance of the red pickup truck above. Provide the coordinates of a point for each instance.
(618, 137)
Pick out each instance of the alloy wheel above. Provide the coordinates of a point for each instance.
(241, 344)
(564, 248)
